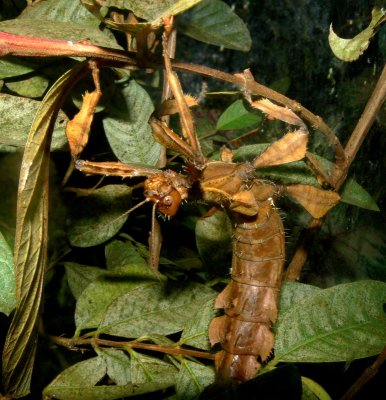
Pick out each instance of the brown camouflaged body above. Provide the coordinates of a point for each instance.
(249, 301)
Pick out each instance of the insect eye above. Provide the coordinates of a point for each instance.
(167, 200)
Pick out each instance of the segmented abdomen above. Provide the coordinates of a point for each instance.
(250, 299)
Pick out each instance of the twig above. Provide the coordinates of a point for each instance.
(356, 139)
(74, 343)
(366, 376)
(24, 46)
(363, 126)
(166, 91)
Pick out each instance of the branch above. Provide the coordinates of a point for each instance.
(23, 46)
(356, 139)
(366, 376)
(364, 124)
(75, 343)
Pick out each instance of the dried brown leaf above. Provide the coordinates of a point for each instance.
(274, 111)
(291, 147)
(78, 129)
(316, 201)
(170, 106)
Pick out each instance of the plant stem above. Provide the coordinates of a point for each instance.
(363, 126)
(23, 46)
(356, 139)
(75, 343)
(366, 376)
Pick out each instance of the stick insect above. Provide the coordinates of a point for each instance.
(249, 301)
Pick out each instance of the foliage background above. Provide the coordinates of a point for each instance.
(290, 52)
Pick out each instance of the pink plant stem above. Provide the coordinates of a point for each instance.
(25, 46)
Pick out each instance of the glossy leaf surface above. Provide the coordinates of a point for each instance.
(214, 22)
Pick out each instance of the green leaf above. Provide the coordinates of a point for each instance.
(313, 391)
(127, 128)
(291, 173)
(79, 382)
(31, 240)
(193, 379)
(66, 20)
(99, 294)
(213, 239)
(195, 331)
(7, 278)
(292, 293)
(119, 254)
(98, 217)
(60, 10)
(118, 365)
(236, 116)
(17, 113)
(352, 49)
(151, 10)
(341, 323)
(353, 193)
(249, 152)
(29, 87)
(80, 276)
(214, 22)
(10, 67)
(157, 309)
(150, 369)
(294, 172)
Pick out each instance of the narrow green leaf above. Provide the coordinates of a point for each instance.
(313, 391)
(80, 382)
(353, 193)
(195, 331)
(193, 379)
(17, 113)
(352, 49)
(7, 278)
(80, 276)
(157, 309)
(99, 294)
(151, 10)
(127, 128)
(236, 116)
(119, 254)
(98, 217)
(31, 240)
(214, 22)
(341, 323)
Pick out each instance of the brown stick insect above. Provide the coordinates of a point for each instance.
(249, 301)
